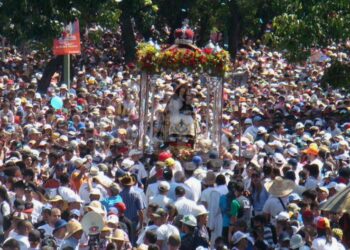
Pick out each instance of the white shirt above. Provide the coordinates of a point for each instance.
(84, 191)
(66, 193)
(37, 208)
(196, 187)
(273, 206)
(222, 189)
(22, 240)
(152, 190)
(47, 228)
(161, 200)
(164, 232)
(185, 206)
(206, 194)
(311, 183)
(140, 239)
(320, 244)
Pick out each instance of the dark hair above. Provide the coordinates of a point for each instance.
(64, 179)
(153, 247)
(313, 170)
(239, 186)
(311, 194)
(220, 180)
(260, 218)
(34, 236)
(11, 244)
(151, 237)
(4, 194)
(167, 174)
(180, 191)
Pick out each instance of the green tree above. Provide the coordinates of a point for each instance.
(305, 24)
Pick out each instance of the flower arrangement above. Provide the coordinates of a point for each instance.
(152, 60)
(183, 153)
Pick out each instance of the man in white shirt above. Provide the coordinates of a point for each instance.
(164, 230)
(22, 231)
(183, 205)
(50, 226)
(192, 181)
(161, 198)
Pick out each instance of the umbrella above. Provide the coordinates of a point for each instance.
(339, 202)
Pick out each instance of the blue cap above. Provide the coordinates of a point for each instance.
(197, 160)
(293, 162)
(213, 154)
(257, 118)
(294, 197)
(59, 224)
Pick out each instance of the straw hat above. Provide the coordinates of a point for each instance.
(117, 235)
(73, 226)
(280, 187)
(96, 207)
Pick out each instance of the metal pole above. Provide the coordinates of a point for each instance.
(66, 70)
(152, 108)
(221, 103)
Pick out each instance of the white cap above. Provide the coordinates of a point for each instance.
(293, 151)
(164, 186)
(299, 125)
(283, 216)
(114, 219)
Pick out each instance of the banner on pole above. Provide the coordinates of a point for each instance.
(69, 42)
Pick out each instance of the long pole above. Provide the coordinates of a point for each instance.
(66, 70)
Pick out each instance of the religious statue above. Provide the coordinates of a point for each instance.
(179, 118)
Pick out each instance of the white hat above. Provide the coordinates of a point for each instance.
(262, 130)
(299, 125)
(296, 242)
(95, 191)
(127, 164)
(283, 216)
(238, 236)
(189, 220)
(114, 219)
(279, 158)
(276, 143)
(200, 210)
(135, 152)
(164, 186)
(293, 151)
(75, 212)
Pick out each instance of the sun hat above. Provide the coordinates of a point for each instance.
(209, 178)
(96, 206)
(189, 220)
(127, 180)
(73, 226)
(292, 207)
(338, 233)
(117, 235)
(238, 236)
(280, 187)
(200, 210)
(323, 189)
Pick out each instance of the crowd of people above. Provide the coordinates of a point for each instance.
(284, 153)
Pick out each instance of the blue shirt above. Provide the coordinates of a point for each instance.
(225, 210)
(259, 201)
(111, 201)
(133, 203)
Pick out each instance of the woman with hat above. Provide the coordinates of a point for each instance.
(120, 239)
(279, 190)
(74, 234)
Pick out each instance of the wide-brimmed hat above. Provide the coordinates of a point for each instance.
(117, 235)
(280, 187)
(96, 206)
(127, 180)
(200, 210)
(73, 226)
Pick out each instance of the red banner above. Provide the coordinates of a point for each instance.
(69, 42)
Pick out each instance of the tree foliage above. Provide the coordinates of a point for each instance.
(306, 24)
